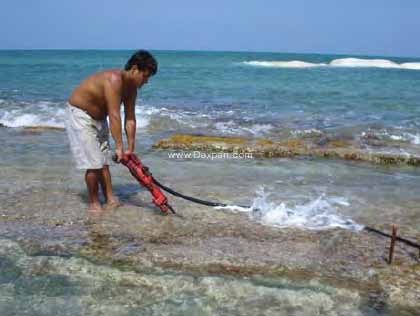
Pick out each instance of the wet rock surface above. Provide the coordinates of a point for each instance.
(75, 286)
(40, 129)
(266, 148)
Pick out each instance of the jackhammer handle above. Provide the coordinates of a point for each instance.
(114, 158)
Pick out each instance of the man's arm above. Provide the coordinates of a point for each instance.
(130, 120)
(113, 91)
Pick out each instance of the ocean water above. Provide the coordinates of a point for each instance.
(253, 94)
(270, 95)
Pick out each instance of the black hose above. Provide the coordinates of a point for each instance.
(189, 198)
(209, 203)
(403, 240)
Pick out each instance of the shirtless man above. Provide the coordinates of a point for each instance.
(97, 97)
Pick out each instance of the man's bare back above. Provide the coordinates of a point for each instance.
(90, 94)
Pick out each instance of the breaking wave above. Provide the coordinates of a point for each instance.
(341, 62)
(233, 128)
(43, 113)
(283, 64)
(52, 114)
(383, 134)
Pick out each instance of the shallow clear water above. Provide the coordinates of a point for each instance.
(51, 285)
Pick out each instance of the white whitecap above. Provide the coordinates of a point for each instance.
(357, 62)
(51, 114)
(30, 116)
(258, 129)
(232, 128)
(307, 132)
(402, 136)
(227, 127)
(416, 139)
(284, 64)
(143, 115)
(340, 62)
(413, 66)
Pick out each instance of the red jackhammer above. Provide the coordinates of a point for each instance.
(144, 177)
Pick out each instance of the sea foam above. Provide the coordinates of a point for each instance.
(21, 118)
(51, 114)
(395, 135)
(284, 64)
(233, 128)
(317, 214)
(341, 62)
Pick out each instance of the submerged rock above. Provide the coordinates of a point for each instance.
(40, 129)
(99, 289)
(225, 251)
(267, 148)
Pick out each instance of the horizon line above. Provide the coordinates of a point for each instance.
(205, 51)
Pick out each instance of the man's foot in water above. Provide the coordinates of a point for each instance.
(95, 208)
(112, 203)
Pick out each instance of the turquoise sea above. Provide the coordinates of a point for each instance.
(55, 259)
(254, 94)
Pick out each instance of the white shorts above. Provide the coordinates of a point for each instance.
(89, 139)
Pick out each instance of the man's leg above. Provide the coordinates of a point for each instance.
(106, 186)
(92, 178)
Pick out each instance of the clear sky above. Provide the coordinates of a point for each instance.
(372, 27)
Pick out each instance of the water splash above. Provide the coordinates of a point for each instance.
(318, 214)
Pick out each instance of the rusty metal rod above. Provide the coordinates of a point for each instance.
(392, 246)
(403, 240)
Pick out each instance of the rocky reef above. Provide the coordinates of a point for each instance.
(267, 148)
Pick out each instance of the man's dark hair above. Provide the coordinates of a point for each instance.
(143, 60)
